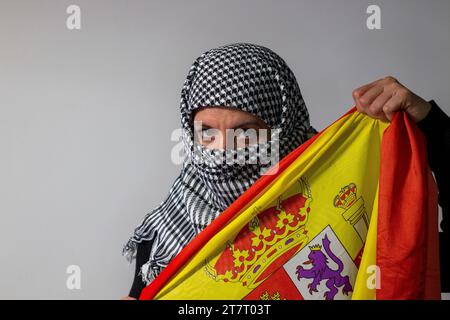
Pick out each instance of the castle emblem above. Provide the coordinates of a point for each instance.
(354, 210)
(267, 296)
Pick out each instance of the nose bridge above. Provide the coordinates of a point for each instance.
(225, 138)
(219, 138)
(224, 125)
(222, 139)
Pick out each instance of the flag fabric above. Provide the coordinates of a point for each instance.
(349, 214)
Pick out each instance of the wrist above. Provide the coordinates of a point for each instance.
(420, 111)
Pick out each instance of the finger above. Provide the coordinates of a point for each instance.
(359, 92)
(377, 105)
(363, 89)
(393, 105)
(366, 100)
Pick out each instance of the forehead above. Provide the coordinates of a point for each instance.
(225, 115)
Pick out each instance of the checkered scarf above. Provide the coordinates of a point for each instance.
(248, 77)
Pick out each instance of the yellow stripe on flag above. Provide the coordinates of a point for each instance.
(337, 177)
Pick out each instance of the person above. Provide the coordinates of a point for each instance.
(246, 87)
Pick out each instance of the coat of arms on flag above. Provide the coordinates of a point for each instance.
(358, 194)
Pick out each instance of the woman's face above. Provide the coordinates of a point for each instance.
(227, 128)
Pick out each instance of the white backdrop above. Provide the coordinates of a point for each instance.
(86, 115)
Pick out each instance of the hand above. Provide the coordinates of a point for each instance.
(128, 298)
(382, 98)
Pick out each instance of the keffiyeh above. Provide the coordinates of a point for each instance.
(245, 76)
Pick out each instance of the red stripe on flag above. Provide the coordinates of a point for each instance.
(407, 216)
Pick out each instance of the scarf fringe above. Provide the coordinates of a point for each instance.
(149, 271)
(129, 250)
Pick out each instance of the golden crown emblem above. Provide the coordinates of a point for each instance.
(265, 243)
(346, 197)
(316, 247)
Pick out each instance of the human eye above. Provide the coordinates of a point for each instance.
(207, 135)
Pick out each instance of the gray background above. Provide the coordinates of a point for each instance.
(86, 116)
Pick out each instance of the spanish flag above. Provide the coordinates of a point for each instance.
(349, 214)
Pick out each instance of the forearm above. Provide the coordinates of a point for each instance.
(436, 127)
(142, 255)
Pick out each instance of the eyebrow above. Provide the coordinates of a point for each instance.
(205, 126)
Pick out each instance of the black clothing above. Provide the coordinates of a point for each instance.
(143, 253)
(436, 127)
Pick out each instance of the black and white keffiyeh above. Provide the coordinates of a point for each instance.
(245, 76)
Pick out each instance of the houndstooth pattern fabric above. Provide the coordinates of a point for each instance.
(245, 76)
